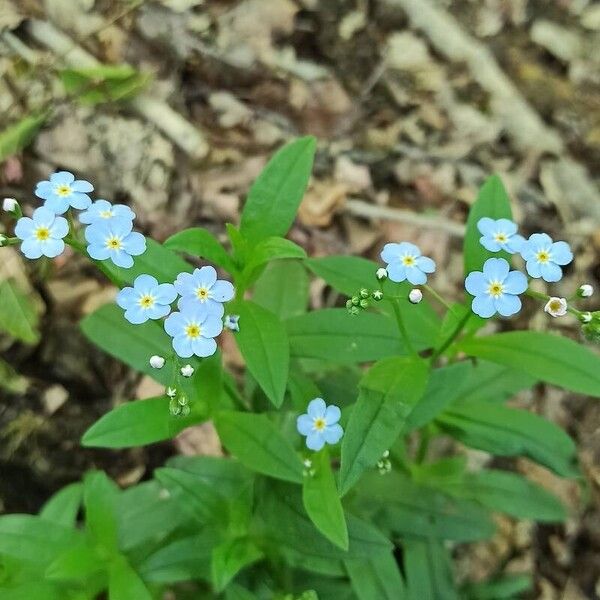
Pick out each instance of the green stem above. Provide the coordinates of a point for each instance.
(401, 327)
(545, 298)
(459, 327)
(443, 302)
(423, 445)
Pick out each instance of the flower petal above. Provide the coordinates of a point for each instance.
(476, 283)
(182, 346)
(121, 259)
(390, 253)
(80, 185)
(315, 440)
(495, 269)
(60, 228)
(44, 216)
(332, 414)
(204, 347)
(98, 252)
(515, 283)
(508, 304)
(205, 277)
(24, 228)
(550, 272)
(52, 248)
(31, 248)
(539, 241)
(561, 253)
(304, 424)
(533, 268)
(426, 264)
(506, 226)
(175, 324)
(333, 434)
(145, 284)
(415, 276)
(316, 408)
(487, 227)
(515, 244)
(136, 315)
(490, 244)
(222, 291)
(134, 244)
(61, 177)
(483, 306)
(79, 201)
(165, 293)
(212, 326)
(126, 297)
(396, 272)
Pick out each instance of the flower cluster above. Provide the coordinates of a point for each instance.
(109, 232)
(198, 319)
(360, 301)
(496, 288)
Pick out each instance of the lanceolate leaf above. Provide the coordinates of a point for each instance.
(18, 316)
(388, 393)
(17, 136)
(544, 356)
(124, 583)
(230, 557)
(322, 502)
(376, 578)
(62, 508)
(100, 498)
(259, 445)
(274, 197)
(282, 288)
(272, 248)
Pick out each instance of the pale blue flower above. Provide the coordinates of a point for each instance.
(62, 191)
(147, 299)
(320, 424)
(545, 257)
(500, 234)
(42, 234)
(115, 239)
(202, 289)
(102, 210)
(232, 322)
(496, 289)
(404, 261)
(193, 330)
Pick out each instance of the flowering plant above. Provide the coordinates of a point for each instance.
(330, 487)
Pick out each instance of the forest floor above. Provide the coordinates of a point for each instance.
(414, 103)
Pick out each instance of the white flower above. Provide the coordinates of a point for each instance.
(556, 307)
(586, 317)
(415, 295)
(171, 392)
(381, 273)
(157, 362)
(9, 205)
(187, 371)
(586, 290)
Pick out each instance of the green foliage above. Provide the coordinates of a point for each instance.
(283, 289)
(19, 135)
(18, 315)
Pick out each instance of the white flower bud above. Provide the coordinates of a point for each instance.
(9, 205)
(381, 273)
(415, 295)
(556, 307)
(586, 290)
(187, 371)
(171, 392)
(157, 362)
(586, 317)
(232, 322)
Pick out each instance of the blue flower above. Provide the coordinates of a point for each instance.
(499, 235)
(202, 289)
(193, 330)
(114, 239)
(62, 191)
(147, 299)
(404, 261)
(496, 289)
(42, 234)
(101, 210)
(320, 424)
(545, 257)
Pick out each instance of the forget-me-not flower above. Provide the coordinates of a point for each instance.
(404, 261)
(147, 299)
(115, 239)
(62, 191)
(320, 424)
(500, 234)
(42, 234)
(545, 257)
(102, 210)
(496, 289)
(202, 289)
(193, 330)
(232, 322)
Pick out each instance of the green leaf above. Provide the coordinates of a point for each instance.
(509, 432)
(334, 336)
(34, 590)
(104, 83)
(263, 342)
(100, 498)
(124, 583)
(76, 563)
(18, 316)
(388, 393)
(551, 358)
(377, 578)
(255, 441)
(322, 502)
(282, 288)
(19, 135)
(507, 587)
(273, 248)
(509, 493)
(403, 507)
(199, 242)
(63, 507)
(230, 557)
(200, 500)
(428, 569)
(275, 196)
(34, 539)
(492, 202)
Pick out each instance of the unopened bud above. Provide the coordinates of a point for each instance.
(586, 317)
(187, 371)
(381, 273)
(157, 362)
(9, 205)
(3, 240)
(349, 304)
(415, 295)
(355, 300)
(377, 295)
(364, 303)
(364, 293)
(232, 322)
(354, 311)
(171, 392)
(585, 291)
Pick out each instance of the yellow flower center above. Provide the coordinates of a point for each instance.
(146, 301)
(42, 234)
(63, 190)
(193, 331)
(319, 424)
(495, 289)
(106, 214)
(555, 305)
(202, 293)
(408, 261)
(500, 238)
(114, 243)
(543, 256)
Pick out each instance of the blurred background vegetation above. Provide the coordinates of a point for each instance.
(173, 106)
